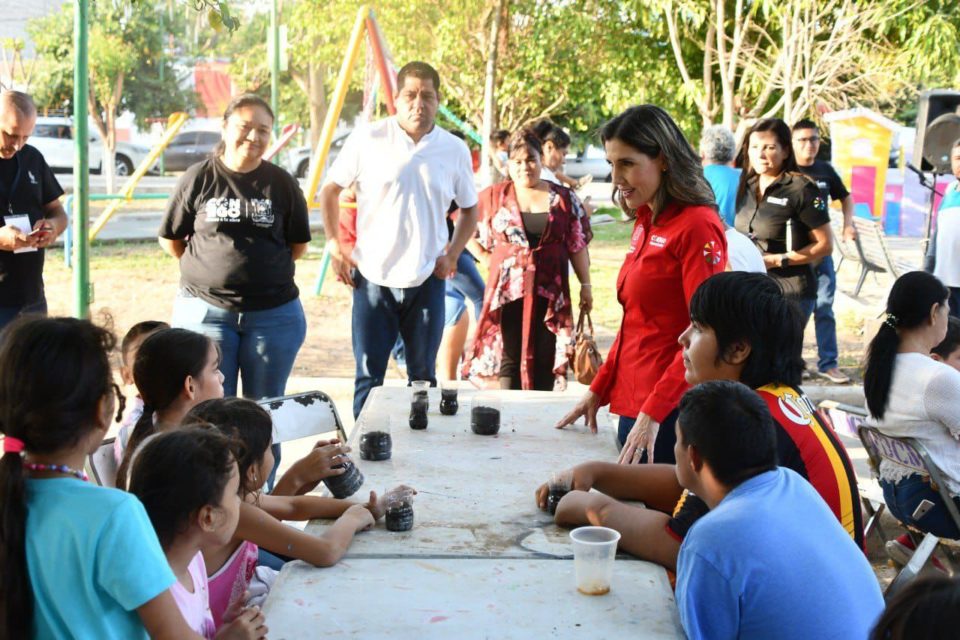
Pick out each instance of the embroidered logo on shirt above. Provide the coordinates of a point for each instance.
(819, 204)
(780, 201)
(657, 241)
(712, 253)
(261, 212)
(794, 408)
(33, 180)
(822, 185)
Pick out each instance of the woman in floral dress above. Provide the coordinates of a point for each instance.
(530, 230)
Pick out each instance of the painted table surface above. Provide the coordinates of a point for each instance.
(480, 551)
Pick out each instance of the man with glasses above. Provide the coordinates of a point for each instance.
(30, 209)
(806, 145)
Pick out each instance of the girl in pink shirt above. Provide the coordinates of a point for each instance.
(189, 484)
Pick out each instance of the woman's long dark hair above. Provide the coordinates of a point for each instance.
(651, 131)
(780, 129)
(54, 372)
(238, 102)
(164, 360)
(178, 473)
(244, 421)
(908, 307)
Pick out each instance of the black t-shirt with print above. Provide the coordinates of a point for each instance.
(828, 181)
(27, 185)
(794, 198)
(238, 228)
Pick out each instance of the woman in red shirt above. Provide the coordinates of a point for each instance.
(677, 243)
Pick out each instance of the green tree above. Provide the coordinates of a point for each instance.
(125, 53)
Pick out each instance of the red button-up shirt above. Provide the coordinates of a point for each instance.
(665, 264)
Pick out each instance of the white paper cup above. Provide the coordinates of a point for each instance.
(594, 549)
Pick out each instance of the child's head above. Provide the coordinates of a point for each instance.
(928, 607)
(250, 425)
(56, 396)
(948, 351)
(499, 139)
(131, 344)
(742, 328)
(188, 483)
(174, 367)
(727, 427)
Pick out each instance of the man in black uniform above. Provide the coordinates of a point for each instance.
(806, 144)
(31, 216)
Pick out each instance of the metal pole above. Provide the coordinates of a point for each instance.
(81, 164)
(275, 67)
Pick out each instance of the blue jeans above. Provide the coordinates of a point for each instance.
(468, 283)
(823, 319)
(666, 438)
(380, 314)
(903, 498)
(9, 314)
(260, 346)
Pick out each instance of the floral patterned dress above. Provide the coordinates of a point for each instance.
(519, 272)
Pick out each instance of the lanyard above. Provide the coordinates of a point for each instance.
(13, 187)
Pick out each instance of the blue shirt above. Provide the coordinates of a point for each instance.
(724, 180)
(771, 561)
(93, 559)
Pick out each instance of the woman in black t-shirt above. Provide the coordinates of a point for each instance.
(237, 223)
(782, 211)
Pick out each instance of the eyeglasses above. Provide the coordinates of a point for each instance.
(244, 129)
(121, 401)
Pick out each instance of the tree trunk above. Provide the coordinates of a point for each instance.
(487, 172)
(317, 98)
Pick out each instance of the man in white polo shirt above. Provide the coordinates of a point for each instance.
(406, 172)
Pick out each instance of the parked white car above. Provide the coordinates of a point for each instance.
(591, 161)
(53, 136)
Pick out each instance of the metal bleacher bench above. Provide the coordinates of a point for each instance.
(874, 253)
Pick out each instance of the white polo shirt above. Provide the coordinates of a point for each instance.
(403, 192)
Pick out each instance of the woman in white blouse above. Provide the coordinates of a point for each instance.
(909, 394)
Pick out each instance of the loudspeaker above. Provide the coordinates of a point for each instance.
(938, 126)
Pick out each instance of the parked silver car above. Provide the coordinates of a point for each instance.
(298, 160)
(189, 147)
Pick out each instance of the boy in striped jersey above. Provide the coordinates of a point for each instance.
(741, 328)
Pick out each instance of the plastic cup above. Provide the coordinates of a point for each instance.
(594, 549)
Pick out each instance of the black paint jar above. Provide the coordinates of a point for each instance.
(418, 411)
(347, 483)
(375, 445)
(399, 517)
(448, 402)
(485, 421)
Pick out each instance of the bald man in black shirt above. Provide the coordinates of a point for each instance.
(31, 216)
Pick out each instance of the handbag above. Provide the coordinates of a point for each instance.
(586, 359)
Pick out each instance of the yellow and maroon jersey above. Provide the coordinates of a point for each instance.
(806, 445)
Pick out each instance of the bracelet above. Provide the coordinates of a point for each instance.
(587, 286)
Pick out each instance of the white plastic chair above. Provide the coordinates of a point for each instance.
(102, 465)
(302, 415)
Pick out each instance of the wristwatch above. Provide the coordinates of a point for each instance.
(784, 260)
